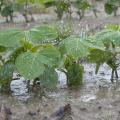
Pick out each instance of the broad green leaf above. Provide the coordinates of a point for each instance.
(42, 34)
(11, 38)
(99, 56)
(108, 36)
(92, 43)
(29, 65)
(50, 56)
(78, 47)
(74, 47)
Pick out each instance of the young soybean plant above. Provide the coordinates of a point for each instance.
(28, 53)
(61, 6)
(23, 6)
(110, 37)
(111, 6)
(7, 8)
(82, 6)
(73, 49)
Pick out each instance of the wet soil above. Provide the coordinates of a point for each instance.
(96, 99)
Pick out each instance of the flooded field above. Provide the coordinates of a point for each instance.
(96, 99)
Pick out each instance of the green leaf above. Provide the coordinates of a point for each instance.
(49, 79)
(2, 49)
(31, 65)
(49, 3)
(21, 1)
(108, 36)
(42, 34)
(75, 74)
(82, 4)
(50, 56)
(99, 56)
(93, 43)
(109, 8)
(16, 52)
(78, 47)
(11, 38)
(113, 27)
(113, 2)
(73, 46)
(6, 73)
(32, 1)
(24, 1)
(26, 44)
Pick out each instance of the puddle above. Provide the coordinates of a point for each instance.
(87, 98)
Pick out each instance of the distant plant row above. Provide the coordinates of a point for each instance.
(8, 7)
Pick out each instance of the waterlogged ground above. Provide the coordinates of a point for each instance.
(96, 99)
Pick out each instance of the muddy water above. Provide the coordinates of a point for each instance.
(97, 99)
